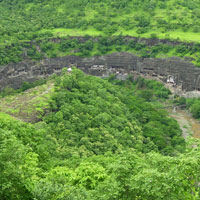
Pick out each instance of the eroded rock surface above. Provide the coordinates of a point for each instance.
(180, 73)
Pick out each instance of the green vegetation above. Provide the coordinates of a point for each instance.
(25, 86)
(27, 105)
(150, 90)
(88, 46)
(79, 137)
(26, 26)
(28, 19)
(97, 139)
(192, 104)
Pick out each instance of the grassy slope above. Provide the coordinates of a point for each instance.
(178, 34)
(29, 105)
(182, 13)
(178, 11)
(26, 20)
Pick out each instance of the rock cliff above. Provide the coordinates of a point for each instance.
(179, 73)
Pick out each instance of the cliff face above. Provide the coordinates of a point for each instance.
(175, 71)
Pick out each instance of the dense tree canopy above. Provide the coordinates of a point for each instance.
(99, 139)
(37, 21)
(101, 16)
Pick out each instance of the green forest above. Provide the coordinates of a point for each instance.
(27, 19)
(75, 136)
(98, 139)
(26, 27)
(90, 46)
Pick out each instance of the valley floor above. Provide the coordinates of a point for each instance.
(188, 124)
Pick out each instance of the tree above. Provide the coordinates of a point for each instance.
(195, 110)
(12, 154)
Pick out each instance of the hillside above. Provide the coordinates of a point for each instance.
(24, 19)
(27, 28)
(86, 95)
(67, 135)
(27, 105)
(96, 139)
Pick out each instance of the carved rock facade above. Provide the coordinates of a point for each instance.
(184, 74)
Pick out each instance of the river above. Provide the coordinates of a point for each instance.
(188, 124)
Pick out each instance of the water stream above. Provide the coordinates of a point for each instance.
(188, 124)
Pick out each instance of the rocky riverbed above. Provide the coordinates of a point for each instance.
(189, 125)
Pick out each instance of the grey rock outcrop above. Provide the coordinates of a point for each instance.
(183, 73)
